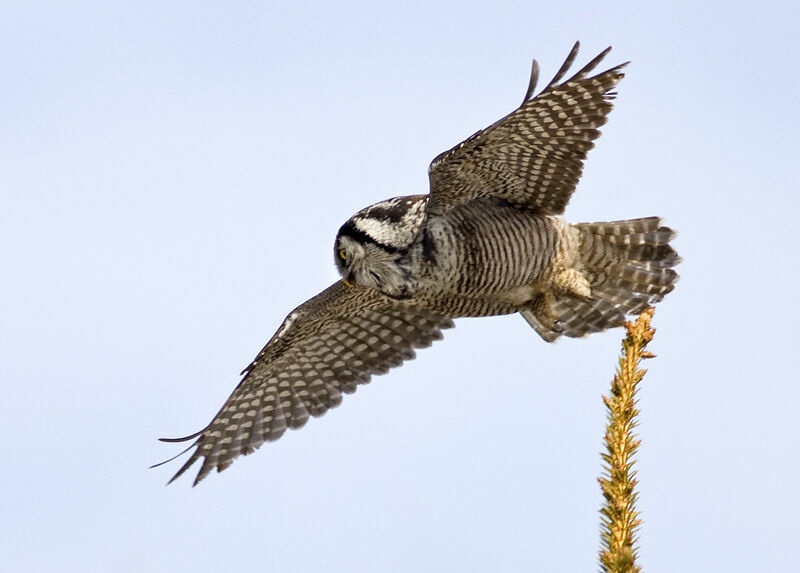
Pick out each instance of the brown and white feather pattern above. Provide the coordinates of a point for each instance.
(486, 247)
(533, 157)
(628, 265)
(486, 241)
(324, 348)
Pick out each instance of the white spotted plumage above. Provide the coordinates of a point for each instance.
(487, 240)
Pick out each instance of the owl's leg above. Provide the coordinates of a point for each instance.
(543, 312)
(629, 267)
(574, 282)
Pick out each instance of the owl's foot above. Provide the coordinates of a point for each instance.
(540, 314)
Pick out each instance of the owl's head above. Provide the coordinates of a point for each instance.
(371, 243)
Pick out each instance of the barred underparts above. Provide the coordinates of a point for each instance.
(487, 240)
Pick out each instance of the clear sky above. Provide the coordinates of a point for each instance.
(172, 176)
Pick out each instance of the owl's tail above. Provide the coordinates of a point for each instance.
(628, 267)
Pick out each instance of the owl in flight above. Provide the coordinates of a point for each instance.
(487, 240)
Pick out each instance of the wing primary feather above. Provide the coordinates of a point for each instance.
(210, 457)
(304, 369)
(564, 67)
(172, 458)
(580, 74)
(183, 439)
(189, 463)
(532, 83)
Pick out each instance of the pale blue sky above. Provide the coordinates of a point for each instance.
(172, 176)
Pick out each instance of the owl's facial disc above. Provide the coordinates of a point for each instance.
(347, 254)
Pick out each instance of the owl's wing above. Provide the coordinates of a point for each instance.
(326, 346)
(534, 156)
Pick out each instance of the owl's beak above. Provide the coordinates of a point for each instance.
(347, 282)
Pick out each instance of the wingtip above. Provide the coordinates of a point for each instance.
(198, 478)
(593, 63)
(189, 463)
(183, 439)
(565, 66)
(192, 459)
(533, 81)
(583, 72)
(172, 458)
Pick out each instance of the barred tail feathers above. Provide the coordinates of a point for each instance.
(628, 265)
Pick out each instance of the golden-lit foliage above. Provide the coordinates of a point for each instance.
(619, 517)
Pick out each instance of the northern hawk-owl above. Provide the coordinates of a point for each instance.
(487, 240)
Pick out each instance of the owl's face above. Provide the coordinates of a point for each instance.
(370, 246)
(365, 263)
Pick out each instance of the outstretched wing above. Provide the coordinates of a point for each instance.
(534, 156)
(326, 346)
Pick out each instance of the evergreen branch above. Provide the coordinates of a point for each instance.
(619, 518)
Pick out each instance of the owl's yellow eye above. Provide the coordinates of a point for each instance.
(342, 254)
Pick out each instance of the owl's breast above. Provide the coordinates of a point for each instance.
(485, 247)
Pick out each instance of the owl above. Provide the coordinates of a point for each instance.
(487, 240)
